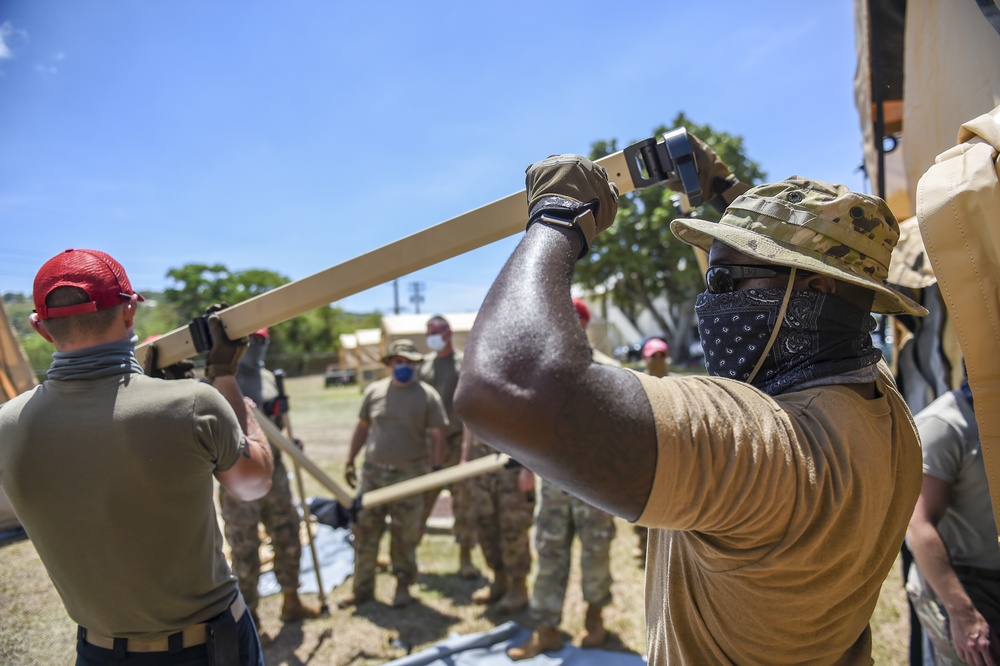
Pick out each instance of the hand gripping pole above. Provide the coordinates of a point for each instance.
(471, 230)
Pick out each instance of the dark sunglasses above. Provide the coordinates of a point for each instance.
(722, 279)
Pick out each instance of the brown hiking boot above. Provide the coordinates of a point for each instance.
(516, 597)
(593, 634)
(355, 599)
(466, 569)
(545, 638)
(492, 592)
(293, 609)
(402, 597)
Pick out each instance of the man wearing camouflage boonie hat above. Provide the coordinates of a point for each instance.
(777, 490)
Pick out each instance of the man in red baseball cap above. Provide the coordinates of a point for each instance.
(110, 473)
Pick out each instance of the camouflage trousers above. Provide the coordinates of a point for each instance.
(280, 516)
(502, 514)
(559, 517)
(985, 596)
(404, 530)
(464, 528)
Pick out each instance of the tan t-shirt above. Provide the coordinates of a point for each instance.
(113, 480)
(778, 519)
(399, 419)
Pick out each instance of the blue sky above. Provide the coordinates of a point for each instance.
(294, 136)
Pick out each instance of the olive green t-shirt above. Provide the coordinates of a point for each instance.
(112, 479)
(399, 417)
(774, 520)
(442, 372)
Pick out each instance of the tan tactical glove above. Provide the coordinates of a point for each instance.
(573, 192)
(718, 186)
(225, 354)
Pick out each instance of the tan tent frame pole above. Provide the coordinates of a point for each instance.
(387, 494)
(471, 230)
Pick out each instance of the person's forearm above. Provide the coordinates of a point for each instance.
(529, 388)
(357, 441)
(438, 451)
(931, 556)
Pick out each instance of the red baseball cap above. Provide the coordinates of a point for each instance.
(262, 332)
(652, 346)
(95, 272)
(582, 311)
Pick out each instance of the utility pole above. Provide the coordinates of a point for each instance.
(395, 296)
(416, 297)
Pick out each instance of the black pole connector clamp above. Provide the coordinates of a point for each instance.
(651, 162)
(200, 335)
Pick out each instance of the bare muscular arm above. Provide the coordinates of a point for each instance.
(528, 385)
(250, 477)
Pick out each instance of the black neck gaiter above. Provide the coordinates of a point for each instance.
(822, 340)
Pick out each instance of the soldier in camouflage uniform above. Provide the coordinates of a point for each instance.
(441, 370)
(397, 414)
(276, 510)
(560, 516)
(503, 503)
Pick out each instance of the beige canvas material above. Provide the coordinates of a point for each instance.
(958, 209)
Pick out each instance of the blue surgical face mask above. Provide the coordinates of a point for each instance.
(403, 373)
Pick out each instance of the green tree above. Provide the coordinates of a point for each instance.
(196, 286)
(639, 259)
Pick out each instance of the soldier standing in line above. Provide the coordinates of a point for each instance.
(397, 412)
(441, 370)
(560, 516)
(503, 503)
(276, 510)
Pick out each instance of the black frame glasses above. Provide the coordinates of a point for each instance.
(722, 279)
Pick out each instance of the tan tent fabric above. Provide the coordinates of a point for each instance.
(958, 209)
(16, 375)
(952, 66)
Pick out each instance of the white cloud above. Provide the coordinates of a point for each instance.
(8, 35)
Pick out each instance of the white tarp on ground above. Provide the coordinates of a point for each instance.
(490, 649)
(336, 557)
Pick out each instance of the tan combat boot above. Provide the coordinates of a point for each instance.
(466, 569)
(593, 634)
(516, 597)
(492, 592)
(402, 597)
(545, 638)
(293, 609)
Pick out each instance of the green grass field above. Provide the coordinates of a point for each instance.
(34, 628)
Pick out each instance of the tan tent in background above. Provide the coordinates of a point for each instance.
(924, 68)
(16, 376)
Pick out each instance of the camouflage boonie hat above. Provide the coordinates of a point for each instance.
(813, 226)
(404, 348)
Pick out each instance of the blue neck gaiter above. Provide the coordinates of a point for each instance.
(112, 358)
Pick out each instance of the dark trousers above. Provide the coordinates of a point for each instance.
(250, 652)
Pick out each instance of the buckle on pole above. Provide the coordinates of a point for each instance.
(650, 162)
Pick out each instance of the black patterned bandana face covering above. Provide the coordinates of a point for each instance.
(820, 336)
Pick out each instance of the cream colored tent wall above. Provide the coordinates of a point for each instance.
(16, 376)
(414, 327)
(952, 74)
